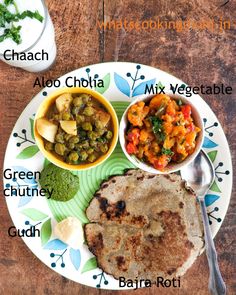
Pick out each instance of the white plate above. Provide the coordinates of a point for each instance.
(123, 82)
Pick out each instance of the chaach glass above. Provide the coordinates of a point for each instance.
(44, 42)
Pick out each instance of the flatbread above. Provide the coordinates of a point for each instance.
(144, 225)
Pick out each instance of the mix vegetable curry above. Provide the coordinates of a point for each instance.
(161, 131)
(76, 128)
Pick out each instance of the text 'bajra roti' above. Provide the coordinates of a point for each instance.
(144, 225)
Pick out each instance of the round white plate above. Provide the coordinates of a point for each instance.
(122, 83)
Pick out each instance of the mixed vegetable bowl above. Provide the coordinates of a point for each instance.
(161, 131)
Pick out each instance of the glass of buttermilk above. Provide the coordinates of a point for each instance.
(37, 50)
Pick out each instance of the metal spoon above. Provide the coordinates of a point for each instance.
(200, 175)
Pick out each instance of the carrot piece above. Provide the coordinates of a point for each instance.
(146, 136)
(190, 139)
(181, 150)
(171, 108)
(155, 147)
(147, 123)
(131, 148)
(157, 100)
(197, 129)
(168, 127)
(169, 142)
(133, 136)
(137, 113)
(149, 154)
(186, 110)
(161, 162)
(177, 130)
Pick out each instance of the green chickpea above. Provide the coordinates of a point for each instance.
(100, 132)
(77, 147)
(102, 140)
(60, 149)
(109, 134)
(84, 144)
(92, 135)
(97, 148)
(90, 151)
(75, 110)
(104, 148)
(92, 158)
(49, 146)
(59, 138)
(66, 116)
(80, 119)
(67, 137)
(92, 143)
(83, 155)
(98, 124)
(88, 111)
(85, 97)
(77, 101)
(82, 134)
(73, 157)
(74, 139)
(71, 145)
(87, 126)
(89, 104)
(56, 117)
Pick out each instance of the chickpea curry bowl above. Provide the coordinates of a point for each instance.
(76, 128)
(161, 133)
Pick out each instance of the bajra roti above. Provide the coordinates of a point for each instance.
(144, 225)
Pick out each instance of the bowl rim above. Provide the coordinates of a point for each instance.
(175, 167)
(43, 108)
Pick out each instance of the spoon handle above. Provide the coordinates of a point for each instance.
(216, 283)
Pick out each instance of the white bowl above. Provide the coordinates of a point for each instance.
(171, 167)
